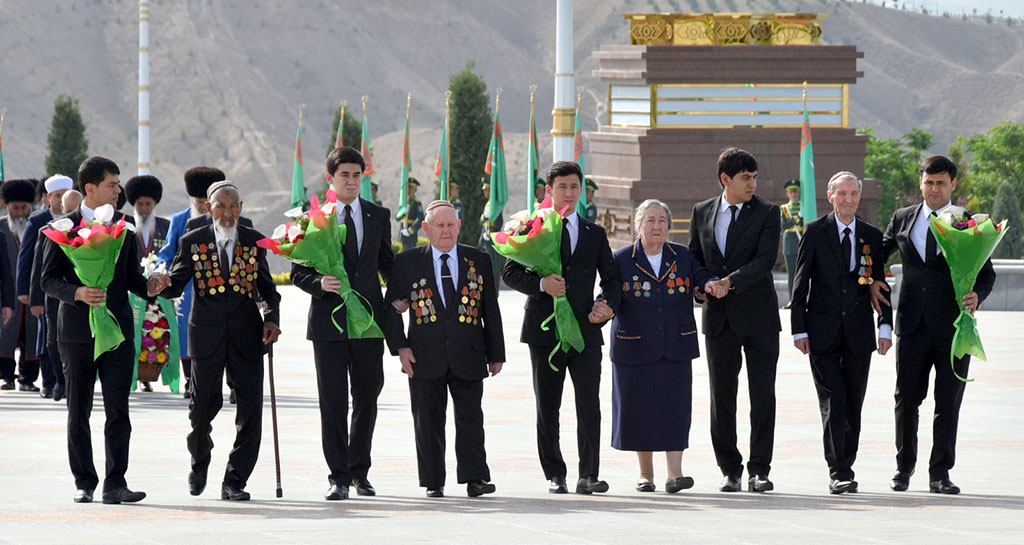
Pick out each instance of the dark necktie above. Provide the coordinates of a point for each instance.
(566, 246)
(350, 248)
(447, 286)
(845, 247)
(730, 233)
(225, 261)
(930, 247)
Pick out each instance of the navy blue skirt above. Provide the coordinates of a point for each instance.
(651, 406)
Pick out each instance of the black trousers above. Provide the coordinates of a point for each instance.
(207, 399)
(841, 380)
(52, 366)
(115, 373)
(429, 406)
(346, 450)
(585, 370)
(724, 363)
(916, 354)
(28, 369)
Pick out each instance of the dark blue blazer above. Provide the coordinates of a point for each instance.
(27, 251)
(655, 319)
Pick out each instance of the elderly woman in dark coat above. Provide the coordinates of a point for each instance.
(654, 340)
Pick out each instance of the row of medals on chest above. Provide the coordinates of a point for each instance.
(422, 298)
(643, 289)
(208, 271)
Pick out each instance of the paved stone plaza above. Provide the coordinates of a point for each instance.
(36, 485)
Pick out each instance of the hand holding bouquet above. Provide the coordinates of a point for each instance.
(93, 249)
(314, 239)
(967, 242)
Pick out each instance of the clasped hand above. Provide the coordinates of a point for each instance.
(157, 283)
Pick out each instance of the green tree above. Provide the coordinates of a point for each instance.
(997, 157)
(957, 153)
(1008, 208)
(471, 125)
(67, 147)
(352, 133)
(894, 163)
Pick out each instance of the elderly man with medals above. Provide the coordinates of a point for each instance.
(228, 274)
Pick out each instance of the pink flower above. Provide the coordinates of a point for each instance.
(148, 342)
(147, 325)
(152, 357)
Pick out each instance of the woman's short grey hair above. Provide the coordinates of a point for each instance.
(638, 215)
(843, 175)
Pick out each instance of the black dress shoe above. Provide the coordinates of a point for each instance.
(363, 487)
(231, 398)
(196, 482)
(187, 392)
(589, 485)
(58, 392)
(27, 387)
(901, 481)
(645, 486)
(557, 486)
(7, 385)
(479, 487)
(336, 492)
(233, 493)
(943, 486)
(46, 393)
(759, 483)
(122, 495)
(83, 496)
(679, 483)
(435, 492)
(837, 486)
(853, 487)
(730, 483)
(146, 387)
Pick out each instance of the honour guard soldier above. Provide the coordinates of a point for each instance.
(487, 227)
(792, 230)
(454, 339)
(228, 274)
(591, 207)
(375, 187)
(411, 228)
(538, 192)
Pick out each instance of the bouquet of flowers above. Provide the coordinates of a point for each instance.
(93, 249)
(314, 239)
(156, 333)
(535, 242)
(967, 242)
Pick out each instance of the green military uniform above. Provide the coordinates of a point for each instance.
(376, 199)
(591, 207)
(792, 230)
(460, 209)
(415, 221)
(486, 228)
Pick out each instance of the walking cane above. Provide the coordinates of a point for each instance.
(273, 418)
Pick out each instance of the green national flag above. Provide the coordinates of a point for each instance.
(298, 180)
(577, 155)
(533, 165)
(441, 167)
(808, 199)
(495, 167)
(339, 139)
(403, 196)
(366, 191)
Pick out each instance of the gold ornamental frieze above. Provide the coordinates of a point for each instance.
(725, 28)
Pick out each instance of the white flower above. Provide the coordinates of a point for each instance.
(956, 211)
(129, 226)
(329, 208)
(980, 218)
(293, 232)
(63, 225)
(280, 232)
(85, 232)
(946, 217)
(104, 214)
(293, 213)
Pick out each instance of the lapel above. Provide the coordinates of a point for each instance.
(832, 235)
(711, 223)
(427, 264)
(668, 259)
(742, 219)
(908, 231)
(369, 226)
(641, 262)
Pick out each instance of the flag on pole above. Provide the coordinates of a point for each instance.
(298, 180)
(495, 168)
(339, 140)
(808, 199)
(577, 155)
(441, 167)
(403, 195)
(366, 191)
(533, 164)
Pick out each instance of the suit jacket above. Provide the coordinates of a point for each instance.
(829, 303)
(157, 239)
(205, 219)
(27, 251)
(593, 256)
(752, 308)
(224, 304)
(60, 281)
(655, 320)
(7, 298)
(375, 261)
(927, 298)
(464, 336)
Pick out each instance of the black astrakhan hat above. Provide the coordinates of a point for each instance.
(143, 186)
(199, 179)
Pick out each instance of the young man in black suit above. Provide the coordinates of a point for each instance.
(228, 275)
(98, 177)
(736, 236)
(585, 254)
(454, 339)
(338, 359)
(832, 319)
(926, 311)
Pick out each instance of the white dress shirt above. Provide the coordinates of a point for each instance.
(230, 249)
(88, 213)
(655, 261)
(723, 221)
(357, 219)
(919, 233)
(453, 266)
